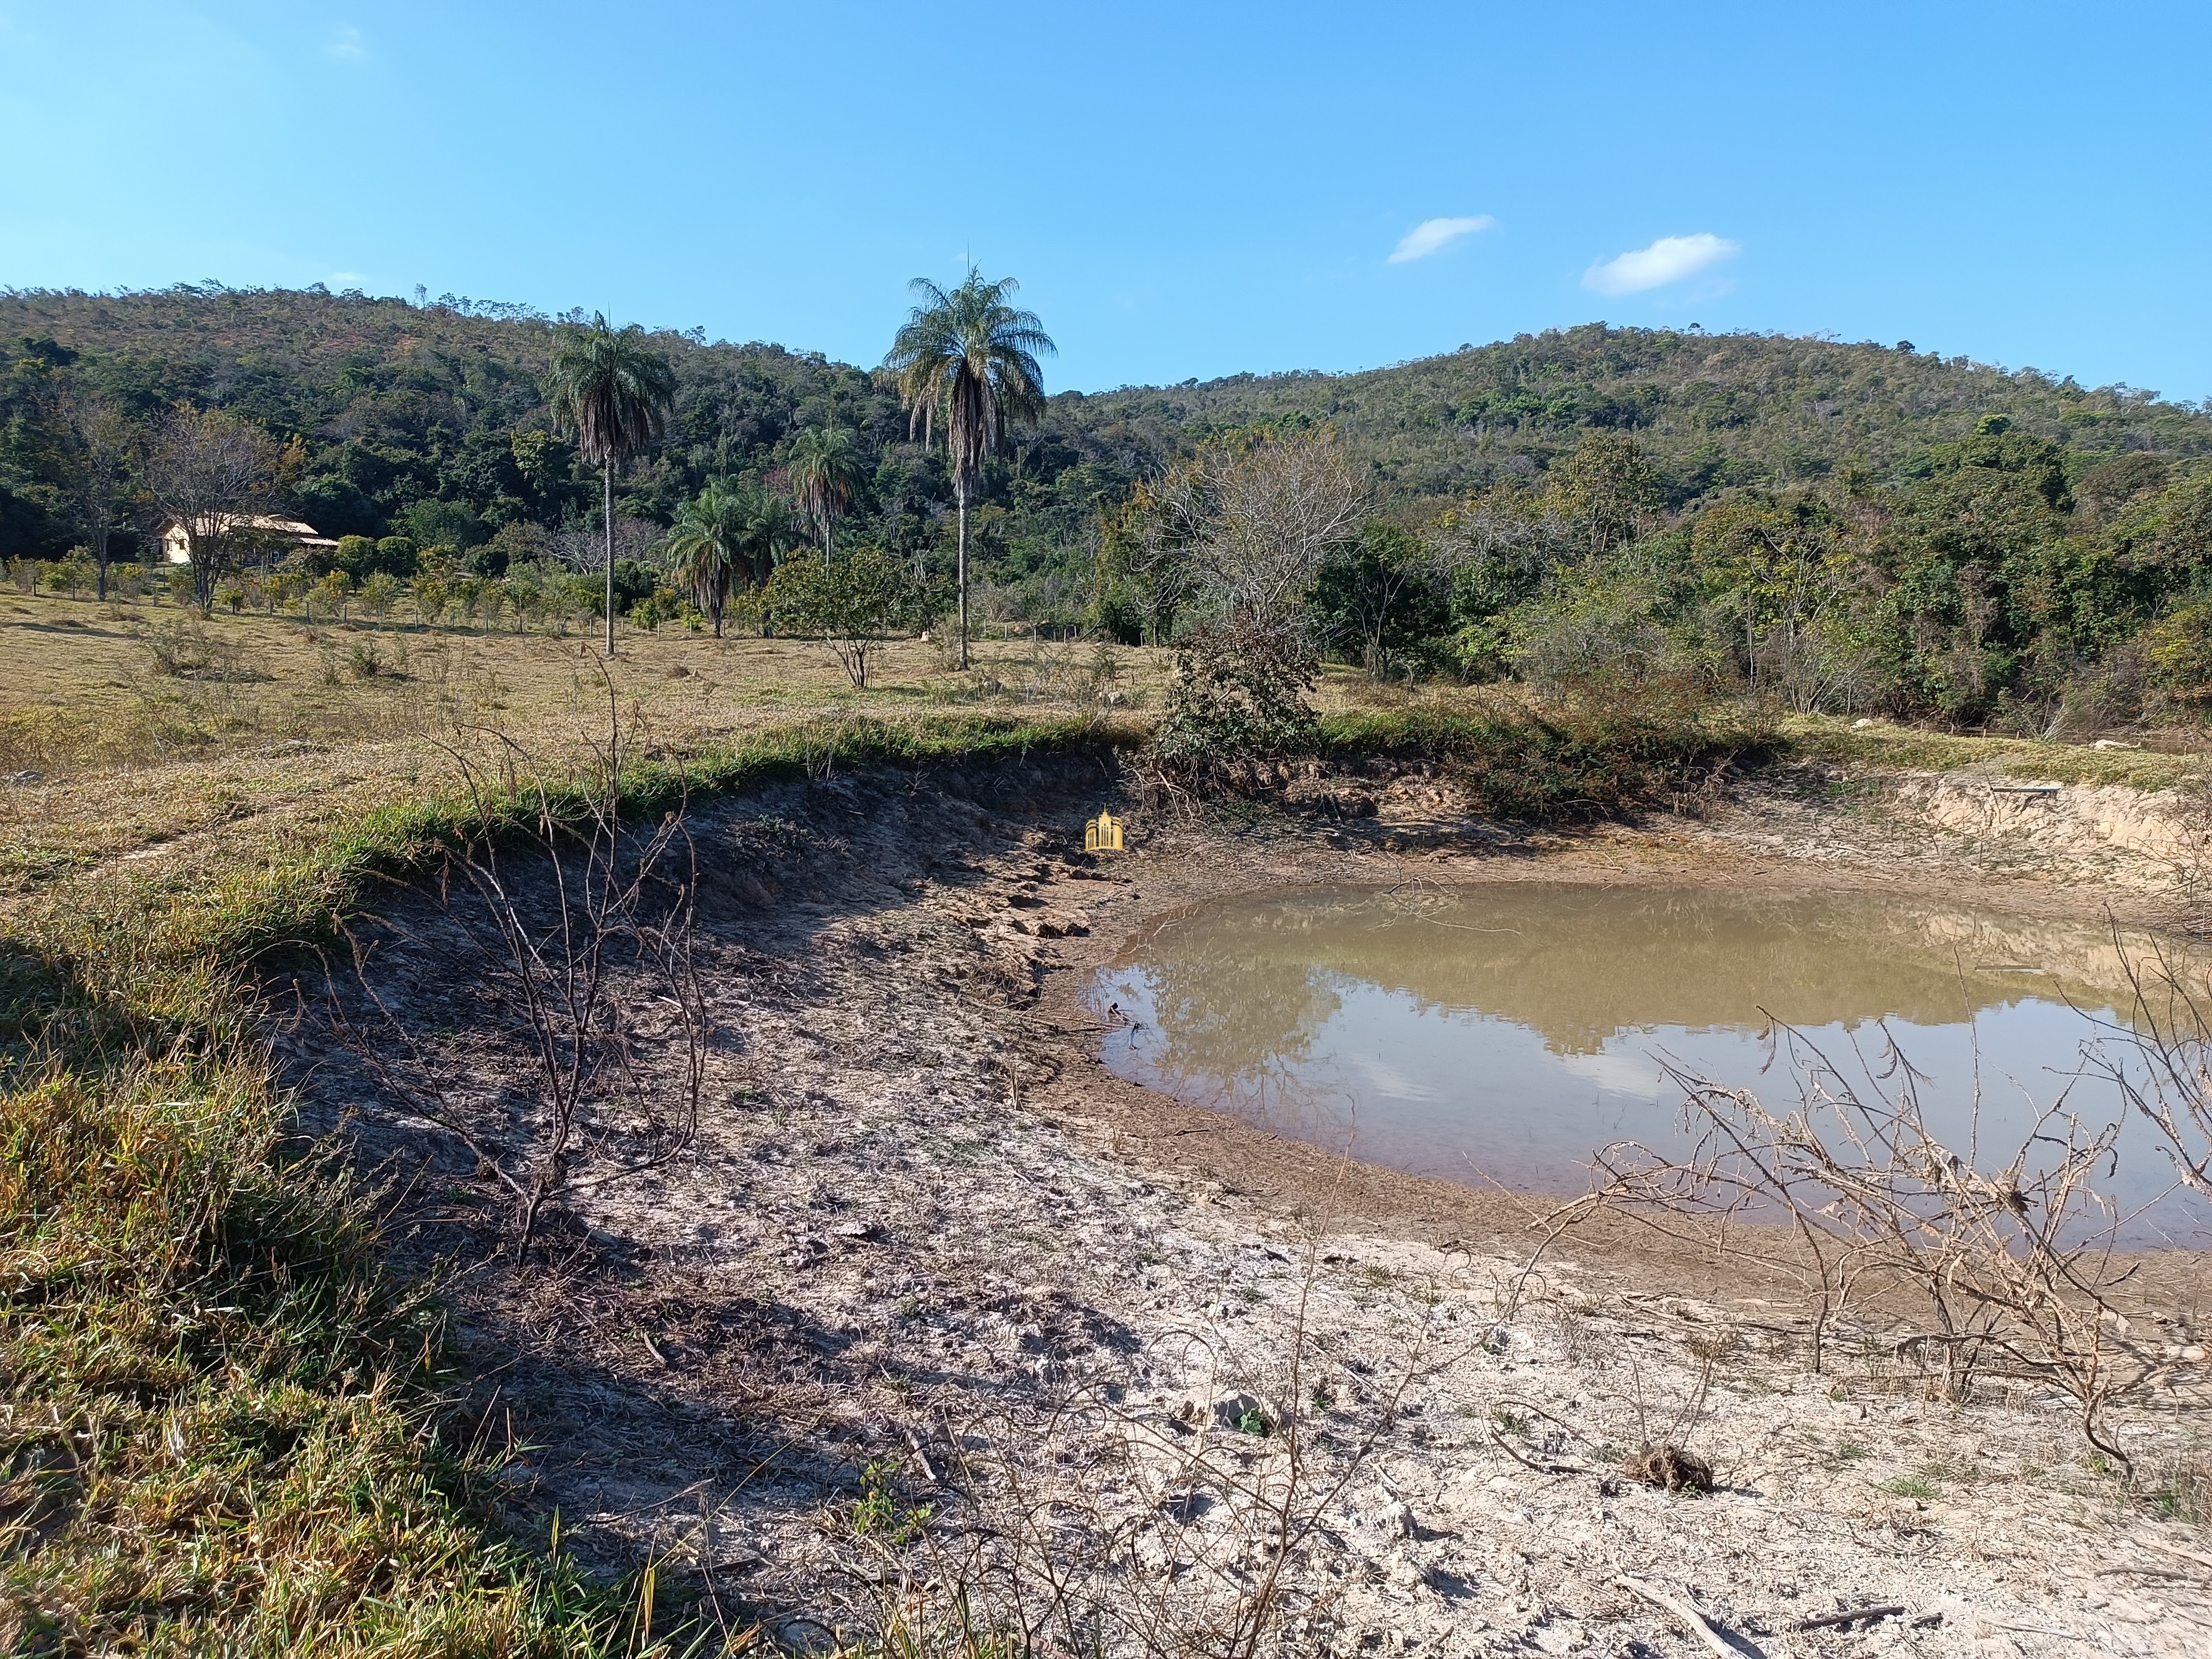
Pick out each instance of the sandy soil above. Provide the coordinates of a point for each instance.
(937, 1305)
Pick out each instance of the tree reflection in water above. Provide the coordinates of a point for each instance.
(1507, 1030)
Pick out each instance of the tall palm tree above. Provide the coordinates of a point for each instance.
(967, 360)
(614, 395)
(706, 546)
(828, 478)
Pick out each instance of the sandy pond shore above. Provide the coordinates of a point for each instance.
(938, 1305)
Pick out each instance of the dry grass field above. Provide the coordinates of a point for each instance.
(137, 731)
(134, 732)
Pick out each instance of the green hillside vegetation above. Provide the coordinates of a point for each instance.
(1847, 526)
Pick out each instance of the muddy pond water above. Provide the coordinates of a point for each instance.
(1503, 1032)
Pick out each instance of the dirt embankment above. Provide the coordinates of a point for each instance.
(936, 1301)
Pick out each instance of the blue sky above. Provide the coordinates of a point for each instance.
(1184, 190)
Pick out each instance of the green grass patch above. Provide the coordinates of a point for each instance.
(1915, 1486)
(219, 1422)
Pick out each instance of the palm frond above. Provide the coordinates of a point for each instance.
(610, 391)
(968, 361)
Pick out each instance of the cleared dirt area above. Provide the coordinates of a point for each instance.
(935, 1309)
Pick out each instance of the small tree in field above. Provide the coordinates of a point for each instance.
(69, 576)
(331, 593)
(1385, 594)
(431, 594)
(849, 605)
(101, 450)
(379, 594)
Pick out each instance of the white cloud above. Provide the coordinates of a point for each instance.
(1669, 259)
(1432, 235)
(346, 44)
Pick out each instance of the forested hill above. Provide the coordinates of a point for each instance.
(428, 419)
(1710, 411)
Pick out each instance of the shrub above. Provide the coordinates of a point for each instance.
(432, 594)
(524, 593)
(848, 604)
(653, 609)
(330, 593)
(190, 650)
(1593, 640)
(71, 575)
(1239, 691)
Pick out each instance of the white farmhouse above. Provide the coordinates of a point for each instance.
(177, 546)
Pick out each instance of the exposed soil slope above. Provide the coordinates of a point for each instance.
(936, 1301)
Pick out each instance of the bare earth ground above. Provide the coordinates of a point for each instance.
(939, 1306)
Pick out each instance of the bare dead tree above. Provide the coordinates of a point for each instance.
(1153, 538)
(579, 551)
(1273, 509)
(208, 473)
(101, 448)
(581, 932)
(2010, 1256)
(1510, 545)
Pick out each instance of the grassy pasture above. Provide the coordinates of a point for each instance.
(135, 732)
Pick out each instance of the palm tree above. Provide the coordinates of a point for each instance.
(770, 530)
(708, 544)
(614, 395)
(968, 359)
(827, 477)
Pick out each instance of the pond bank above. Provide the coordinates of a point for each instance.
(939, 1302)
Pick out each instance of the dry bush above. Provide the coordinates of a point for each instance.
(2009, 1260)
(2161, 1060)
(1239, 693)
(2188, 896)
(191, 650)
(581, 935)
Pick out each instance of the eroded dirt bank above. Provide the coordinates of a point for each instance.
(936, 1301)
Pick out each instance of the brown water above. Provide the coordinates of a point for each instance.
(1503, 1032)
